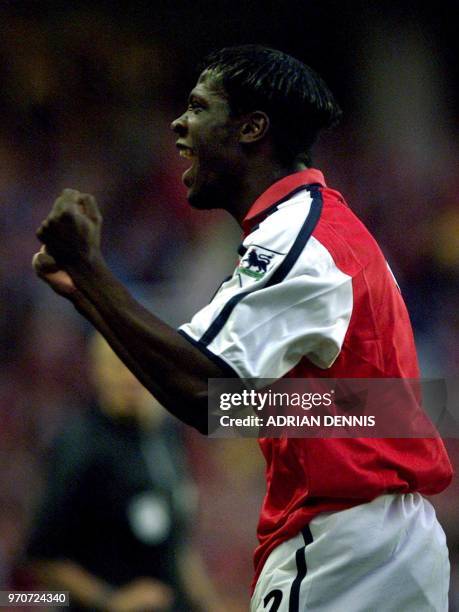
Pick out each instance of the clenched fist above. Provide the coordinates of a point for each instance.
(71, 232)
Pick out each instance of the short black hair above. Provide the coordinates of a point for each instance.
(295, 98)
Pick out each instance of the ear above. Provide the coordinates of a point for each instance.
(254, 127)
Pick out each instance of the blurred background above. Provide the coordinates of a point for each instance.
(87, 94)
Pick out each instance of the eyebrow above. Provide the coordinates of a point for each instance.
(195, 96)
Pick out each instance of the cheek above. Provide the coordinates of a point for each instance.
(218, 153)
(212, 167)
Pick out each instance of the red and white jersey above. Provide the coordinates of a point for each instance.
(312, 296)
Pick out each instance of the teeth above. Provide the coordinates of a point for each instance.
(188, 153)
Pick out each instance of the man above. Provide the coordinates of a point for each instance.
(344, 525)
(113, 524)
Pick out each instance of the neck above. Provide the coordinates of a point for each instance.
(259, 176)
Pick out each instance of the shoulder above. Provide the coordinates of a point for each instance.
(296, 235)
(283, 221)
(346, 238)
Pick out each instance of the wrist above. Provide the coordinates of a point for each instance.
(86, 268)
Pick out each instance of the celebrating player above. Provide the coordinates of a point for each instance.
(344, 524)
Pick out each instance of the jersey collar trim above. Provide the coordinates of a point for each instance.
(279, 191)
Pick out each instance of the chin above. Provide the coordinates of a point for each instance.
(202, 199)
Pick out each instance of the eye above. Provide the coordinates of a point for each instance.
(195, 106)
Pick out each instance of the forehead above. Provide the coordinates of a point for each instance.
(209, 87)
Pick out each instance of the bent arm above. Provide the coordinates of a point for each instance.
(62, 574)
(93, 593)
(168, 365)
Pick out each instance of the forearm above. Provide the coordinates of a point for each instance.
(197, 582)
(167, 364)
(65, 575)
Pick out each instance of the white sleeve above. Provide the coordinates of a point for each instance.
(264, 328)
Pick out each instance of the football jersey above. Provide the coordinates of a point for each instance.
(312, 296)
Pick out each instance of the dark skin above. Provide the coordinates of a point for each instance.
(233, 164)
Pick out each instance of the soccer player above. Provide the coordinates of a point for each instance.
(344, 524)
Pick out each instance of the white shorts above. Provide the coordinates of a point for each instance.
(389, 555)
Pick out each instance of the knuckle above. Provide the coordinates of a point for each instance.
(90, 200)
(70, 192)
(41, 230)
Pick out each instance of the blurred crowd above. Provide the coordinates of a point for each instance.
(85, 102)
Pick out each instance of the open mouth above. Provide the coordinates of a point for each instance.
(187, 153)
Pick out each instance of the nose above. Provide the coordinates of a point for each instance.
(179, 125)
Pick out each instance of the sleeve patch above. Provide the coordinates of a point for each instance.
(257, 261)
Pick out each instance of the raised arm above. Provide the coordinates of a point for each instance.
(166, 363)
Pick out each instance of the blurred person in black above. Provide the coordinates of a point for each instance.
(113, 525)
